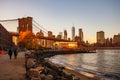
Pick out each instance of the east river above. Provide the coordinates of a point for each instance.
(105, 63)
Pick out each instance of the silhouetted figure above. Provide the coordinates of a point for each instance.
(10, 53)
(15, 53)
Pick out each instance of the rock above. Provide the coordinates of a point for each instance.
(30, 63)
(33, 73)
(66, 72)
(48, 77)
(76, 78)
(39, 68)
(35, 78)
(42, 76)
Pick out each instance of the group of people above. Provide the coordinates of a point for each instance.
(11, 51)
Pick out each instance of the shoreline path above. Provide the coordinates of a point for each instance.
(13, 69)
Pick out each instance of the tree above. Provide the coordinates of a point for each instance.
(26, 39)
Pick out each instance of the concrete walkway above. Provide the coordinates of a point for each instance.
(13, 69)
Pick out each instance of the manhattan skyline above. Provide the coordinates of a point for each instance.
(59, 15)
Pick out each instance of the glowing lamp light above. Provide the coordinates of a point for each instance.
(71, 45)
(66, 45)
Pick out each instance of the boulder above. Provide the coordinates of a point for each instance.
(35, 78)
(33, 73)
(48, 77)
(30, 63)
(39, 69)
(42, 76)
(75, 78)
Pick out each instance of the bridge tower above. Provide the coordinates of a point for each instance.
(25, 24)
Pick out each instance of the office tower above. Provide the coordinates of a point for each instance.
(61, 34)
(49, 43)
(100, 37)
(116, 39)
(65, 34)
(73, 33)
(81, 35)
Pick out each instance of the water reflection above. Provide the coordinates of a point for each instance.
(101, 61)
(104, 61)
(72, 59)
(109, 59)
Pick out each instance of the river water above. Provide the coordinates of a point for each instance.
(105, 63)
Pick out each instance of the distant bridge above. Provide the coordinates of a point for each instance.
(27, 23)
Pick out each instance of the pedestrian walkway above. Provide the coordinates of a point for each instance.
(13, 69)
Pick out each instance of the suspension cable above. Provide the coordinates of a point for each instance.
(40, 25)
(8, 20)
(39, 28)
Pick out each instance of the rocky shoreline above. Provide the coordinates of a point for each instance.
(38, 67)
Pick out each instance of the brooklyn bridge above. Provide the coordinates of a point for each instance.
(45, 37)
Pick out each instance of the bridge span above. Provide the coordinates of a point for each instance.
(28, 24)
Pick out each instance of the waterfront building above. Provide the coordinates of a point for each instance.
(44, 42)
(111, 40)
(65, 34)
(107, 42)
(66, 45)
(5, 37)
(14, 37)
(68, 39)
(100, 37)
(41, 42)
(60, 33)
(41, 34)
(80, 43)
(49, 43)
(116, 39)
(77, 38)
(50, 34)
(73, 33)
(59, 37)
(81, 35)
(87, 43)
(25, 24)
(53, 36)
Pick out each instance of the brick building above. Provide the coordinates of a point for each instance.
(5, 37)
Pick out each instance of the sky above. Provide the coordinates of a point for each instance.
(57, 15)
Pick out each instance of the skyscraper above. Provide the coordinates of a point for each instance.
(100, 37)
(65, 34)
(73, 33)
(81, 35)
(61, 34)
(116, 39)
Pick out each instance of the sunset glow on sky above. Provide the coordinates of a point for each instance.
(57, 15)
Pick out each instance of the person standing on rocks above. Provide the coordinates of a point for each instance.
(10, 53)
